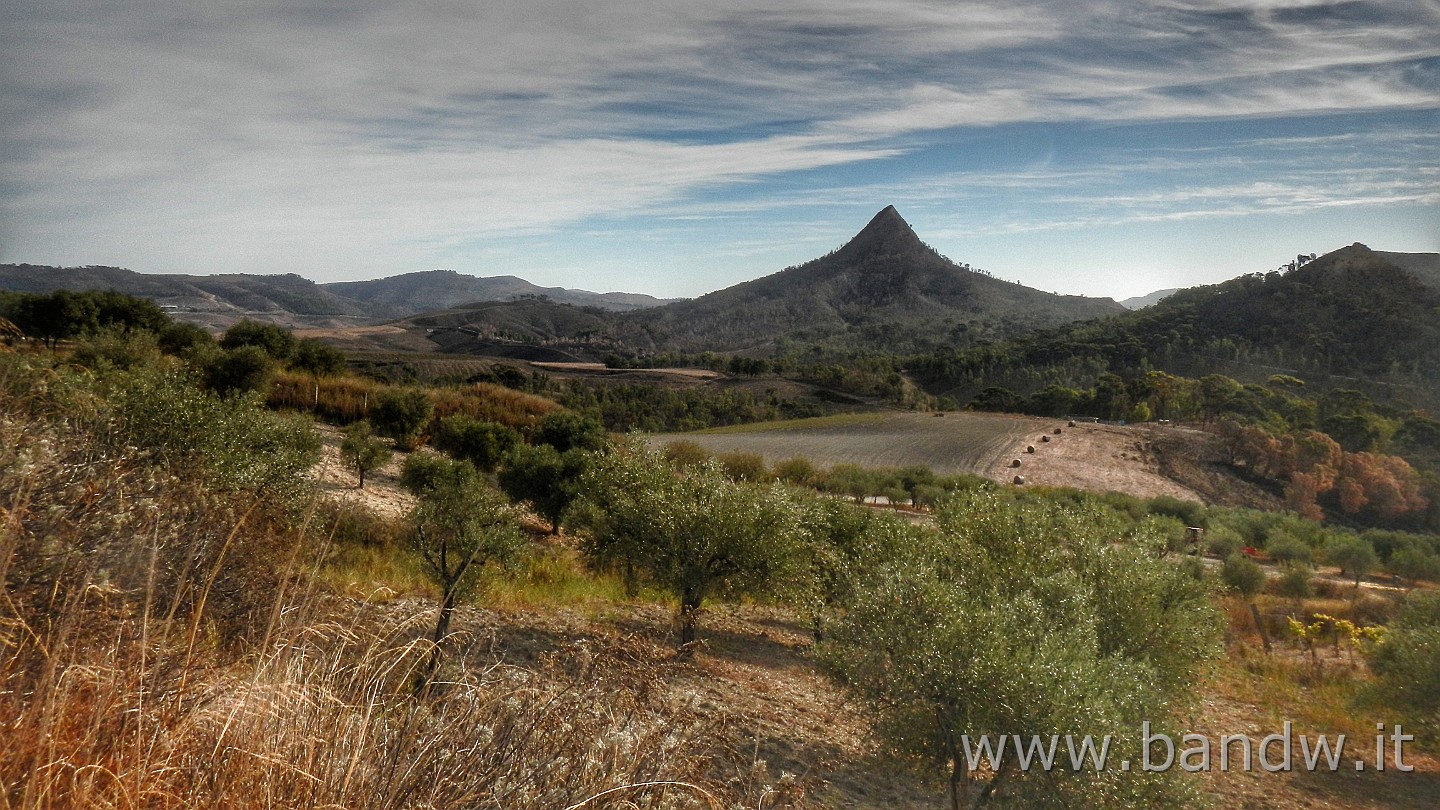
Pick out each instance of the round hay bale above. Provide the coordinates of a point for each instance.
(1029, 448)
(1058, 431)
(1019, 479)
(1072, 423)
(1044, 438)
(1015, 463)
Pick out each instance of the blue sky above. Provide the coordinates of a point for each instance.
(1105, 148)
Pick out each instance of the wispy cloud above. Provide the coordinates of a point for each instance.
(360, 137)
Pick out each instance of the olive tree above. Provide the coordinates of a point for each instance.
(544, 478)
(695, 534)
(1245, 576)
(1032, 619)
(459, 525)
(401, 414)
(364, 452)
(1354, 554)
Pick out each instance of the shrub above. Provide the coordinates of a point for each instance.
(314, 357)
(1284, 548)
(1351, 553)
(743, 466)
(567, 430)
(1407, 661)
(401, 414)
(544, 478)
(1296, 582)
(243, 370)
(797, 471)
(683, 454)
(1242, 575)
(1024, 618)
(483, 444)
(276, 341)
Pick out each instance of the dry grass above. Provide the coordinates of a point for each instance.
(342, 400)
(163, 646)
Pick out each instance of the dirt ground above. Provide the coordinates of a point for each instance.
(1092, 457)
(336, 479)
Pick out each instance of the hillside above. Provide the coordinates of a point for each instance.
(294, 300)
(1352, 318)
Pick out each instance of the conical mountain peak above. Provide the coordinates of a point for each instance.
(887, 233)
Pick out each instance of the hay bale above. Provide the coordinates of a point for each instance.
(1044, 438)
(1072, 423)
(1019, 479)
(1029, 448)
(1015, 463)
(1058, 431)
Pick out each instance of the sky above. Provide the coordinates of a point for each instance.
(1105, 147)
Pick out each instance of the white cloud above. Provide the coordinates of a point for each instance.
(175, 132)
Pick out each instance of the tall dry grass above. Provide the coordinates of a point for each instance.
(165, 645)
(343, 400)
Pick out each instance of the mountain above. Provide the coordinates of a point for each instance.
(884, 289)
(413, 293)
(229, 294)
(292, 299)
(1142, 301)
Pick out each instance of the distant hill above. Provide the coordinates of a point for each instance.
(233, 293)
(884, 289)
(1351, 318)
(413, 293)
(1142, 301)
(292, 298)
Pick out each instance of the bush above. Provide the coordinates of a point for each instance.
(483, 444)
(243, 370)
(1407, 661)
(1024, 618)
(1352, 554)
(567, 430)
(1296, 582)
(743, 466)
(166, 416)
(276, 341)
(683, 454)
(544, 478)
(113, 348)
(364, 452)
(314, 357)
(1242, 575)
(797, 471)
(401, 414)
(1284, 548)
